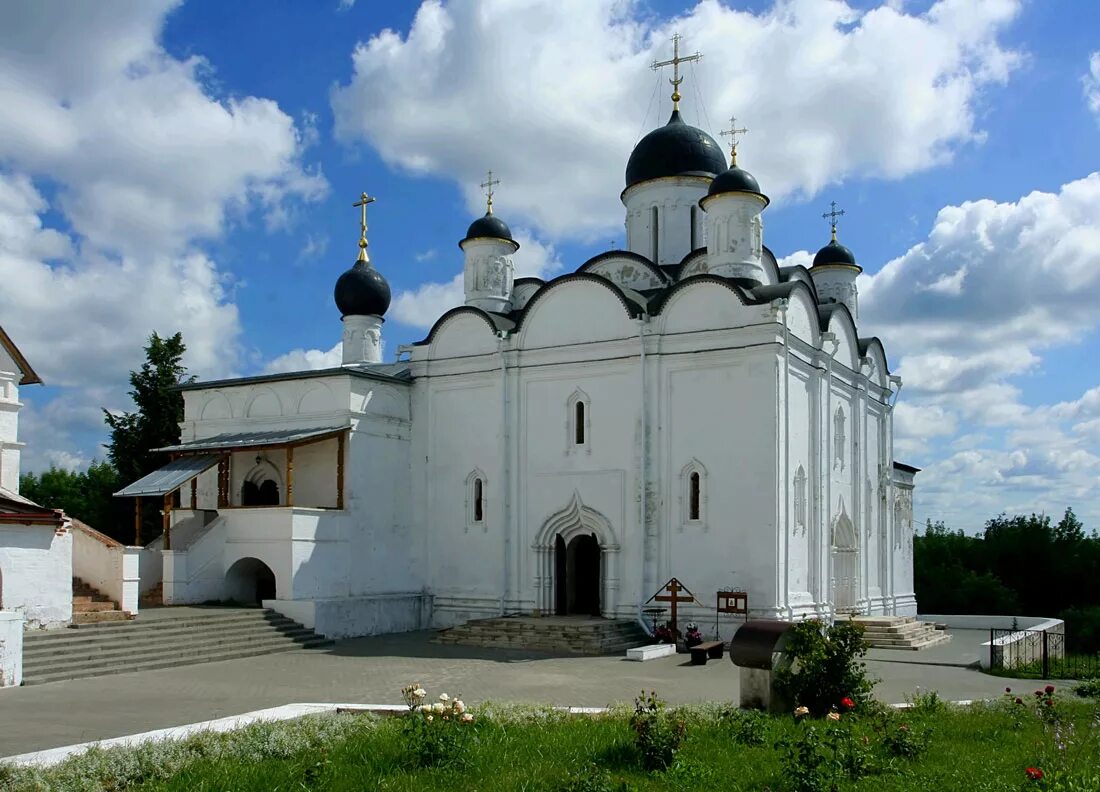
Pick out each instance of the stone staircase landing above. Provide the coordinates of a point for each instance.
(584, 635)
(91, 606)
(900, 632)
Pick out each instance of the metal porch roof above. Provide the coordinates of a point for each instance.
(246, 440)
(170, 477)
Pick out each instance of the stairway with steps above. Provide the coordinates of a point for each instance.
(900, 632)
(163, 638)
(90, 606)
(153, 598)
(584, 635)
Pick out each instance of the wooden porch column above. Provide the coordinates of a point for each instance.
(340, 469)
(137, 522)
(167, 521)
(290, 475)
(194, 493)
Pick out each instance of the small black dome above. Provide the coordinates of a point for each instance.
(676, 149)
(835, 253)
(488, 226)
(736, 180)
(362, 291)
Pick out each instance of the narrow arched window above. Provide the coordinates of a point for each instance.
(693, 508)
(479, 501)
(578, 423)
(694, 236)
(653, 232)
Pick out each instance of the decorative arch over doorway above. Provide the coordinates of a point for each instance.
(845, 558)
(250, 581)
(577, 562)
(262, 485)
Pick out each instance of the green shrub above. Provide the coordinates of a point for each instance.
(1089, 688)
(657, 732)
(904, 741)
(824, 666)
(747, 727)
(437, 734)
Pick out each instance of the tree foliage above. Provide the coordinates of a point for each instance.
(85, 496)
(1020, 566)
(155, 424)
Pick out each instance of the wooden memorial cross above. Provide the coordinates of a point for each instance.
(670, 592)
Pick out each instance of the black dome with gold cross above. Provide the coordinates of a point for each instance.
(361, 290)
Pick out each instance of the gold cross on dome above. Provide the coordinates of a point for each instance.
(831, 216)
(364, 199)
(675, 63)
(488, 185)
(733, 133)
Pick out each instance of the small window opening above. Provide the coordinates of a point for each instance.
(479, 501)
(653, 232)
(693, 505)
(694, 236)
(578, 420)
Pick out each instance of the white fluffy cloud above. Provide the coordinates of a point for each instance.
(117, 158)
(306, 360)
(1092, 84)
(1027, 264)
(828, 92)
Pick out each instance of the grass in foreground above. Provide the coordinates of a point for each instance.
(978, 748)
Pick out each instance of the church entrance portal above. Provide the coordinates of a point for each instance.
(845, 560)
(577, 576)
(266, 494)
(249, 581)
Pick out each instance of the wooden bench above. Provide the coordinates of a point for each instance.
(700, 653)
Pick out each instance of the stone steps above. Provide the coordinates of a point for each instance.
(164, 642)
(587, 636)
(900, 632)
(91, 606)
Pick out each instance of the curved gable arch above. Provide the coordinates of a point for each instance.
(840, 323)
(703, 302)
(873, 348)
(318, 399)
(593, 316)
(626, 269)
(770, 263)
(461, 332)
(802, 314)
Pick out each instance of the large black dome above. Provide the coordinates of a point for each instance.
(834, 253)
(362, 291)
(676, 149)
(489, 226)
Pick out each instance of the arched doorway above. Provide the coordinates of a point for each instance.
(249, 581)
(845, 559)
(577, 573)
(261, 485)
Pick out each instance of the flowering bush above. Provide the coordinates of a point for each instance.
(693, 636)
(437, 733)
(657, 733)
(825, 666)
(904, 742)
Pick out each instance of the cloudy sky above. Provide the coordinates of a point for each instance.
(191, 166)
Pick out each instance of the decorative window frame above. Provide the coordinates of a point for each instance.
(800, 516)
(839, 448)
(694, 467)
(472, 480)
(571, 445)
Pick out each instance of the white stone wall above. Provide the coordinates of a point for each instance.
(11, 649)
(680, 222)
(10, 446)
(36, 573)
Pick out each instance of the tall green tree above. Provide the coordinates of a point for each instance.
(159, 410)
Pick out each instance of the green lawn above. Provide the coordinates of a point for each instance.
(986, 747)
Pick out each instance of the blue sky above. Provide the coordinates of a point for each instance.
(192, 166)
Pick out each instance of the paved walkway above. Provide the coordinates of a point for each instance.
(372, 670)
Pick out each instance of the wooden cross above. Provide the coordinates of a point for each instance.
(831, 216)
(364, 199)
(488, 187)
(732, 133)
(675, 63)
(673, 587)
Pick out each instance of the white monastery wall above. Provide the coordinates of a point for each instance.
(36, 573)
(9, 422)
(680, 223)
(798, 468)
(11, 649)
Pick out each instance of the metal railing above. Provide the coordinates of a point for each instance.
(1041, 654)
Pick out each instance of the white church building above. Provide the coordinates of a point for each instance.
(682, 408)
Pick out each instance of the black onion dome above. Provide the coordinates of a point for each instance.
(736, 180)
(362, 291)
(676, 149)
(489, 226)
(834, 253)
